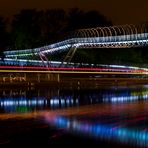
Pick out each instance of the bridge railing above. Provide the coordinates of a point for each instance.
(75, 42)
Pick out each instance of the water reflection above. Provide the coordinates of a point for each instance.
(112, 113)
(14, 100)
(101, 131)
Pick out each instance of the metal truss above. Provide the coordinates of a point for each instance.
(69, 56)
(44, 60)
(123, 36)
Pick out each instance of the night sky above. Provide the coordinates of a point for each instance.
(119, 11)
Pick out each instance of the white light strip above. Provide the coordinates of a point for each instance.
(114, 40)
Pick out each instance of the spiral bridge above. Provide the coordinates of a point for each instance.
(123, 36)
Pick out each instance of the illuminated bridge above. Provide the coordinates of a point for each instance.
(44, 70)
(124, 36)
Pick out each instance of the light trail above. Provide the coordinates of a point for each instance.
(37, 69)
(73, 72)
(56, 64)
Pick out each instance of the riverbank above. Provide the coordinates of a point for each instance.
(79, 82)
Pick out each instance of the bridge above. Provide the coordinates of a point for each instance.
(124, 36)
(44, 70)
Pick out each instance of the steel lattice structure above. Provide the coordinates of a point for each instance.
(123, 36)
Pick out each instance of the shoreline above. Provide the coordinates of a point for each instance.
(80, 82)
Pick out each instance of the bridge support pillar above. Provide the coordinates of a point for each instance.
(58, 77)
(38, 77)
(53, 77)
(69, 55)
(45, 60)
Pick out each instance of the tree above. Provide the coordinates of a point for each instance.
(25, 29)
(4, 38)
(78, 19)
(53, 24)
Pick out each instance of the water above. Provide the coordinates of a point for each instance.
(106, 116)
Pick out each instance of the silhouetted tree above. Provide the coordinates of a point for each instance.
(79, 19)
(25, 29)
(4, 37)
(53, 24)
(32, 28)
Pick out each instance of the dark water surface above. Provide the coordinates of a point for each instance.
(114, 116)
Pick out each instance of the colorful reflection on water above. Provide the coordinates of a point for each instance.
(14, 100)
(101, 131)
(114, 114)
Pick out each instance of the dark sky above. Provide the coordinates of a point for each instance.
(119, 11)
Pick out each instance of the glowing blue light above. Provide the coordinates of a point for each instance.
(124, 135)
(21, 102)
